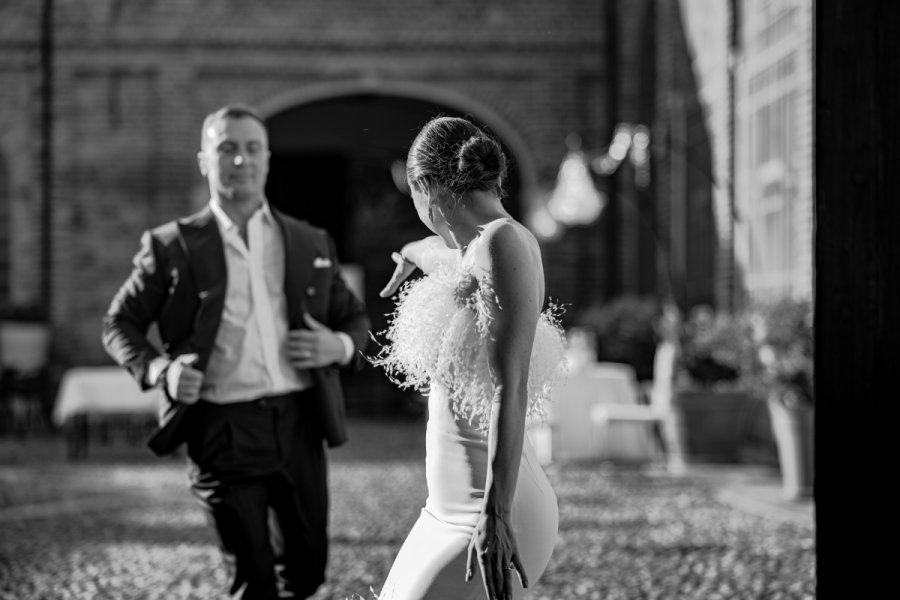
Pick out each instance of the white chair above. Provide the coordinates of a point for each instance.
(655, 414)
(573, 433)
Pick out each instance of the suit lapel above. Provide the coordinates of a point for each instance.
(205, 251)
(299, 251)
(206, 256)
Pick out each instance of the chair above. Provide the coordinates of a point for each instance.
(24, 375)
(655, 411)
(573, 433)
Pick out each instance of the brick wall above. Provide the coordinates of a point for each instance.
(20, 145)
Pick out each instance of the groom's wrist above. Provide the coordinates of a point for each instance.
(347, 347)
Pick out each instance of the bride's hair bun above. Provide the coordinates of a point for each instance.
(454, 154)
(480, 164)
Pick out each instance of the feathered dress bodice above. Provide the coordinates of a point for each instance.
(439, 333)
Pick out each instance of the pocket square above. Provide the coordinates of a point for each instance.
(321, 262)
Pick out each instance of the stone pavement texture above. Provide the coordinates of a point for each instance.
(755, 489)
(122, 524)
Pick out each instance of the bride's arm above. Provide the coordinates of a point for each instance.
(430, 253)
(427, 254)
(514, 319)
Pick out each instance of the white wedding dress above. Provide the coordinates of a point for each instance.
(437, 340)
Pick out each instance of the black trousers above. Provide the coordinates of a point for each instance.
(259, 472)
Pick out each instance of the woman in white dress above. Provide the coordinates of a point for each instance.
(472, 333)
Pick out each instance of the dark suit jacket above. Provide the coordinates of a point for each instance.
(179, 281)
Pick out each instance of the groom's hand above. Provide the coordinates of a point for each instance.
(183, 380)
(315, 347)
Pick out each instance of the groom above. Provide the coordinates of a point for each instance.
(255, 320)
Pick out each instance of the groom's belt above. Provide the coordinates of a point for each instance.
(273, 401)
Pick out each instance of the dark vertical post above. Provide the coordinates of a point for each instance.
(47, 158)
(645, 191)
(857, 287)
(612, 216)
(734, 42)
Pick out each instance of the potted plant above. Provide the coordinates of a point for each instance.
(783, 334)
(710, 398)
(622, 330)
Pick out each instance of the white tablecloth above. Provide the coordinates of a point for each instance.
(575, 435)
(107, 390)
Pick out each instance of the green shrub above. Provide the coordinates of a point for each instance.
(717, 350)
(624, 331)
(783, 337)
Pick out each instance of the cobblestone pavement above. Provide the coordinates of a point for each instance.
(126, 527)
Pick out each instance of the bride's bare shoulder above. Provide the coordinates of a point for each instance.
(510, 238)
(508, 246)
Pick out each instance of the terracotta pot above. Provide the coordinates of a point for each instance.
(794, 434)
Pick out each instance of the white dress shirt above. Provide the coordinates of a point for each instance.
(249, 357)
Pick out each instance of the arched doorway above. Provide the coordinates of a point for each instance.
(331, 165)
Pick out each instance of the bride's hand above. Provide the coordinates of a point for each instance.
(403, 270)
(494, 546)
(410, 257)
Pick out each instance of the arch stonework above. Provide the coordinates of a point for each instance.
(369, 393)
(416, 91)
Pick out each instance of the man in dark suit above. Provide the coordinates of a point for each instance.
(255, 320)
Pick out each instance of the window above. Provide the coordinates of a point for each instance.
(774, 164)
(772, 259)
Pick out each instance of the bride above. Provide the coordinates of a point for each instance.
(472, 333)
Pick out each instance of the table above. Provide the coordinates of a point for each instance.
(85, 391)
(574, 434)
